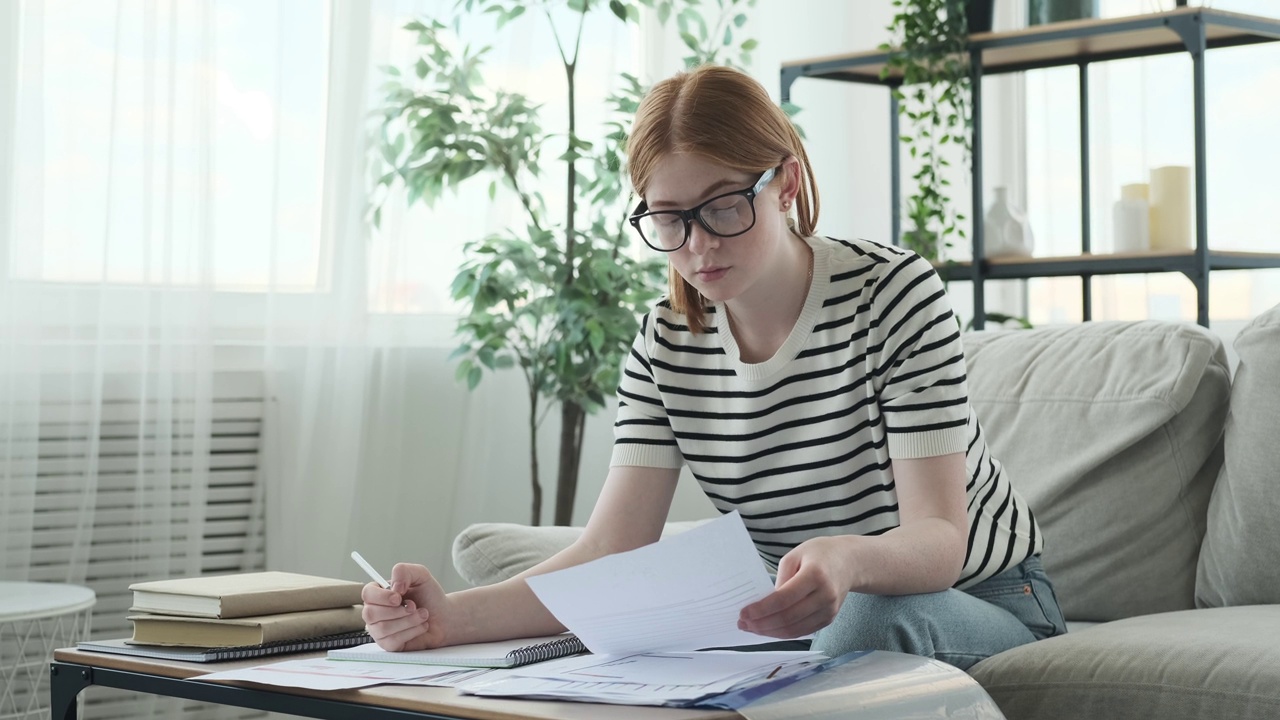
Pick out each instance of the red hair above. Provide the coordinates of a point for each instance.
(726, 117)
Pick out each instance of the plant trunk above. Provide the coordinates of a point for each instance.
(573, 419)
(536, 511)
(570, 234)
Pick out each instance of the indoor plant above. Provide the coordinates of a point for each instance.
(928, 49)
(559, 296)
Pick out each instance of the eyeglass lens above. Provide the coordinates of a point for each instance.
(726, 216)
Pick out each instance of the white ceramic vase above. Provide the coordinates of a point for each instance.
(1006, 230)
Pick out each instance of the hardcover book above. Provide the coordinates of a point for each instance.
(254, 630)
(243, 595)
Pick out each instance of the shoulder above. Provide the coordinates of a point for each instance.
(664, 330)
(866, 263)
(664, 320)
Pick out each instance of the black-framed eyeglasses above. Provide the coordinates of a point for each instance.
(726, 215)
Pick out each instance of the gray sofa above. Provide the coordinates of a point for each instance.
(1156, 478)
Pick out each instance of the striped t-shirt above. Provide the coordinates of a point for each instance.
(800, 445)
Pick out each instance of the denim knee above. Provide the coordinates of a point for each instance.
(897, 623)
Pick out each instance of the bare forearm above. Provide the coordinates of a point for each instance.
(923, 556)
(509, 609)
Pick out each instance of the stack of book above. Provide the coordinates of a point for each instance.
(238, 616)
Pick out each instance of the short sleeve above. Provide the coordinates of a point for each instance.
(642, 434)
(918, 362)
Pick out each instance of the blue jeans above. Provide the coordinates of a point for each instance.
(958, 627)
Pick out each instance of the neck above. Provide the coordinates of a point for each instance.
(763, 317)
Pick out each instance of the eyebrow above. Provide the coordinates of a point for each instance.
(706, 194)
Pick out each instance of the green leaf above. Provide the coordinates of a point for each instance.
(739, 20)
(664, 12)
(618, 9)
(749, 45)
(473, 377)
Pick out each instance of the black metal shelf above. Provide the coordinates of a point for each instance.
(1190, 30)
(1014, 268)
(1059, 44)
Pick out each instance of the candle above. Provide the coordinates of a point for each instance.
(1131, 217)
(1171, 208)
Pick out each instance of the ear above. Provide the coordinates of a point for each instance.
(790, 177)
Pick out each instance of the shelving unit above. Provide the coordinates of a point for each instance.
(1080, 43)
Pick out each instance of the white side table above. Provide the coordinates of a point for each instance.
(35, 619)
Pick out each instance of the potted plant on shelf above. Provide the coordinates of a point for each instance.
(558, 296)
(928, 49)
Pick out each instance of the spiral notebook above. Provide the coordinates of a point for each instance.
(240, 652)
(505, 654)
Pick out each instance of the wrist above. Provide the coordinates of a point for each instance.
(852, 569)
(460, 629)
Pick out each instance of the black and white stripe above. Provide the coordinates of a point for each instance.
(801, 445)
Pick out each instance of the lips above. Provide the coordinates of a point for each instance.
(710, 274)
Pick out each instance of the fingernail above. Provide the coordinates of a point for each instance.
(423, 613)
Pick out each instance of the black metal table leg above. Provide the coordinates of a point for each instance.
(65, 685)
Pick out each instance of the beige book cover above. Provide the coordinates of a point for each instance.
(212, 632)
(243, 595)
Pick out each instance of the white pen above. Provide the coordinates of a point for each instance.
(368, 569)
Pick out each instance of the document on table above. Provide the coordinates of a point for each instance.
(681, 593)
(643, 679)
(322, 674)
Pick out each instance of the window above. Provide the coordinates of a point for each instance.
(1142, 118)
(170, 143)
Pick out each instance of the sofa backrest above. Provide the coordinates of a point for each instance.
(1238, 559)
(1112, 432)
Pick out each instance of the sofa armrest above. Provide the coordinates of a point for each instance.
(486, 553)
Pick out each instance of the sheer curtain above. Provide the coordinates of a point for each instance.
(202, 344)
(1141, 119)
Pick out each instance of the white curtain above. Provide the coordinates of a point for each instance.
(1142, 119)
(200, 338)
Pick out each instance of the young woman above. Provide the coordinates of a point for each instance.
(817, 386)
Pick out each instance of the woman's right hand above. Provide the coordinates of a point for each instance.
(413, 615)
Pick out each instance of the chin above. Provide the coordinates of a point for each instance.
(717, 293)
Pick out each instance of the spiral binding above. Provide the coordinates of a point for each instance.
(570, 645)
(279, 647)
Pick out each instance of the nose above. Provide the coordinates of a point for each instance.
(701, 241)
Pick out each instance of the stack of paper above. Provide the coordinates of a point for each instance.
(642, 679)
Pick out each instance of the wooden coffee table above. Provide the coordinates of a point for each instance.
(74, 670)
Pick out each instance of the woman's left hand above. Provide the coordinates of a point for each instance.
(813, 580)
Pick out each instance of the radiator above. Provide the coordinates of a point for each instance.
(87, 524)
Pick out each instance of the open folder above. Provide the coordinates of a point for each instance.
(505, 654)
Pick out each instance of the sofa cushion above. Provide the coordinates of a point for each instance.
(486, 553)
(1238, 559)
(1111, 431)
(1214, 663)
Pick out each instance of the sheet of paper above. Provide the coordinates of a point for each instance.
(452, 677)
(690, 668)
(644, 679)
(321, 674)
(681, 593)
